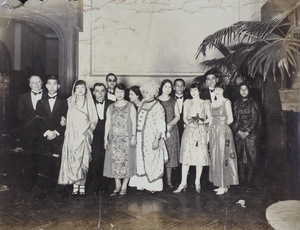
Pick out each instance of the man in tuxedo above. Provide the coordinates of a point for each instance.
(209, 94)
(50, 111)
(111, 81)
(26, 112)
(179, 88)
(98, 151)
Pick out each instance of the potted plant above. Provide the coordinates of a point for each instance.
(261, 48)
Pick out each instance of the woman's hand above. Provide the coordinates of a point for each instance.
(63, 121)
(133, 141)
(105, 143)
(169, 127)
(155, 144)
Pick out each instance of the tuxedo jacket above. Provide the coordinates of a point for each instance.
(205, 95)
(180, 123)
(98, 141)
(27, 116)
(47, 120)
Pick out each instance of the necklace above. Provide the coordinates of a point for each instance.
(150, 101)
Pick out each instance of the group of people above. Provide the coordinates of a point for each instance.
(136, 135)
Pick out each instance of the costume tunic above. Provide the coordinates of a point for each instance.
(247, 119)
(223, 170)
(172, 141)
(193, 149)
(120, 158)
(150, 163)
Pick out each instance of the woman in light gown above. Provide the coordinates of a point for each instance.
(151, 150)
(193, 151)
(120, 141)
(81, 121)
(223, 171)
(172, 117)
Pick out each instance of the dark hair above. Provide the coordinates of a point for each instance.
(99, 84)
(221, 85)
(110, 74)
(195, 85)
(245, 84)
(80, 82)
(179, 79)
(213, 71)
(120, 86)
(52, 77)
(137, 91)
(165, 81)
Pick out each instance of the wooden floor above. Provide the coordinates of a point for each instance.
(137, 210)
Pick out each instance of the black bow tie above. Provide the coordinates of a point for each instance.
(110, 92)
(177, 97)
(49, 97)
(36, 93)
(99, 102)
(211, 90)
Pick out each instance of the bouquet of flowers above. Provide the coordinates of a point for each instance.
(195, 119)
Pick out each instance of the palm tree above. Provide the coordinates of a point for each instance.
(257, 47)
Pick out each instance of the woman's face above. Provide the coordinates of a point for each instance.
(120, 94)
(219, 92)
(132, 96)
(194, 92)
(244, 91)
(80, 90)
(147, 95)
(167, 88)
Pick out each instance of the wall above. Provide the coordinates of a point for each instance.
(136, 40)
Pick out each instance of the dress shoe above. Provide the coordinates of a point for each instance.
(198, 188)
(116, 191)
(122, 192)
(180, 188)
(222, 191)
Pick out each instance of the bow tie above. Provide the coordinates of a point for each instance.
(211, 90)
(177, 97)
(49, 97)
(99, 102)
(36, 93)
(110, 92)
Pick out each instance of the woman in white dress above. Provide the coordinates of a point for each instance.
(81, 121)
(151, 150)
(193, 151)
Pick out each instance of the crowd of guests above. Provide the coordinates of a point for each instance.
(137, 135)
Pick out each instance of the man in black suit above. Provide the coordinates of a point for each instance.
(50, 111)
(98, 151)
(26, 112)
(209, 94)
(179, 88)
(111, 81)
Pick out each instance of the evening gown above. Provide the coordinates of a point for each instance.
(172, 141)
(120, 158)
(223, 171)
(193, 149)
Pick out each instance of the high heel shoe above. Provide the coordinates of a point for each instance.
(115, 192)
(198, 188)
(180, 188)
(222, 191)
(82, 191)
(123, 192)
(75, 190)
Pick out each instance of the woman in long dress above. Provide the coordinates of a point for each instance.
(151, 150)
(223, 171)
(193, 151)
(81, 121)
(172, 117)
(120, 141)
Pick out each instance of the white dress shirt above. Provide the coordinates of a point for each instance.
(100, 109)
(52, 101)
(179, 100)
(35, 97)
(212, 93)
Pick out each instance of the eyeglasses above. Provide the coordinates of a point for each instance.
(111, 80)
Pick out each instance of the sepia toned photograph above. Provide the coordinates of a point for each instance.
(150, 114)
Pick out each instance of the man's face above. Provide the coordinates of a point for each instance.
(211, 81)
(179, 87)
(244, 91)
(52, 86)
(111, 82)
(35, 83)
(99, 93)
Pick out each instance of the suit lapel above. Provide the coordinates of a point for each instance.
(56, 105)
